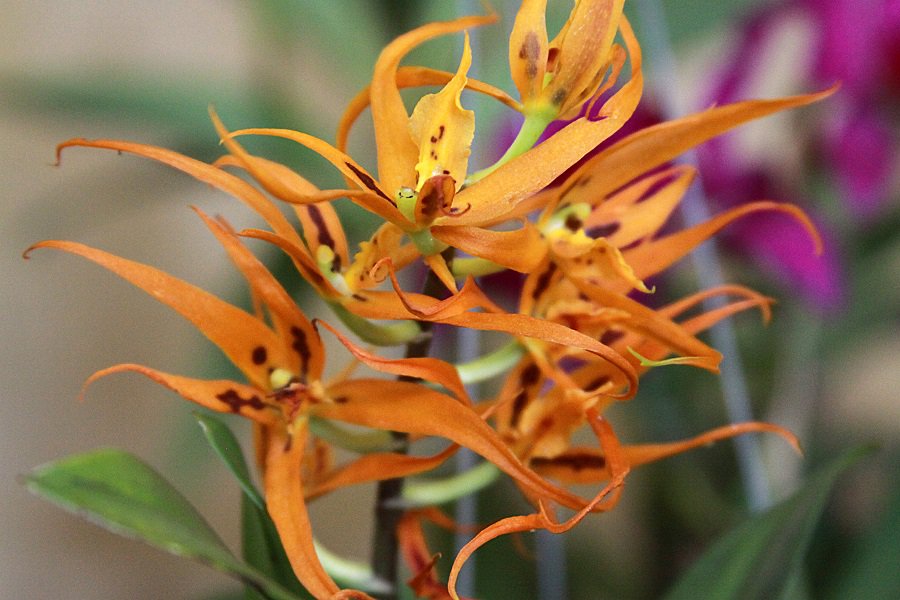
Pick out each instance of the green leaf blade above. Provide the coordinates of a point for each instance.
(762, 557)
(124, 495)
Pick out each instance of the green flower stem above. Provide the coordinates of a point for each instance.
(476, 267)
(361, 442)
(392, 334)
(490, 365)
(350, 573)
(448, 489)
(536, 121)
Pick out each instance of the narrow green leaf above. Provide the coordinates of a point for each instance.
(763, 556)
(261, 546)
(121, 493)
(226, 446)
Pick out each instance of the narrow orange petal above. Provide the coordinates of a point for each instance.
(322, 227)
(237, 333)
(373, 196)
(379, 466)
(650, 323)
(202, 171)
(655, 145)
(301, 258)
(657, 255)
(520, 249)
(287, 507)
(297, 333)
(397, 151)
(221, 395)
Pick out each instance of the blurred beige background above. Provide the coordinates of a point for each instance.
(64, 318)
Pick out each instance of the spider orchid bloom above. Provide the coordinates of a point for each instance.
(422, 159)
(556, 78)
(283, 363)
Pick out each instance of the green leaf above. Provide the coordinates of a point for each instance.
(764, 556)
(119, 492)
(226, 446)
(261, 546)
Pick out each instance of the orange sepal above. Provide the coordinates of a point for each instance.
(655, 145)
(287, 507)
(291, 324)
(378, 466)
(202, 171)
(239, 398)
(583, 465)
(655, 256)
(237, 333)
(520, 249)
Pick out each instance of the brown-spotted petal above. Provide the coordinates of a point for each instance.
(297, 333)
(528, 48)
(221, 395)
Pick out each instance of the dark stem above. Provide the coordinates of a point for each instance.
(388, 508)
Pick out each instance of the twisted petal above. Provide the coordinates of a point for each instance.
(588, 465)
(379, 466)
(657, 255)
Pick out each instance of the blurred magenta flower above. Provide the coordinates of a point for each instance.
(856, 42)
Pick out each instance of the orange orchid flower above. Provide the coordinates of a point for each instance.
(283, 363)
(421, 186)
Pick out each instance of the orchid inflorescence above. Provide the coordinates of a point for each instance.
(580, 249)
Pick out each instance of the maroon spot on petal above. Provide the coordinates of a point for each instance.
(576, 462)
(324, 236)
(530, 50)
(601, 231)
(611, 336)
(596, 384)
(341, 399)
(543, 281)
(368, 181)
(301, 346)
(236, 403)
(259, 355)
(559, 96)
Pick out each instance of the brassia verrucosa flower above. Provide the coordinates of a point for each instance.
(582, 249)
